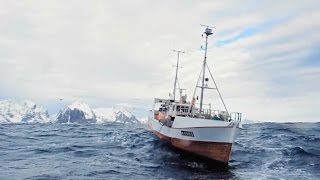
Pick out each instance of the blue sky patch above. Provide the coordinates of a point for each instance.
(250, 31)
(312, 60)
(243, 34)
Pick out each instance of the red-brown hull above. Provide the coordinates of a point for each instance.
(213, 150)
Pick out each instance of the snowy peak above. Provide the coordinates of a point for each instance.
(80, 112)
(118, 114)
(77, 112)
(22, 111)
(29, 104)
(85, 108)
(123, 111)
(105, 114)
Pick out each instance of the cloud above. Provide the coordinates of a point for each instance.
(263, 54)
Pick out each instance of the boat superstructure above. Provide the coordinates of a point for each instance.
(190, 126)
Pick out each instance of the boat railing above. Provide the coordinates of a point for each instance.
(235, 116)
(204, 114)
(217, 114)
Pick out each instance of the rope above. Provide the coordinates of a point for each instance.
(218, 91)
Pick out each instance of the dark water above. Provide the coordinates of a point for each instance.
(118, 151)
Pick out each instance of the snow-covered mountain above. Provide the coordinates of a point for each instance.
(118, 114)
(77, 112)
(22, 112)
(80, 112)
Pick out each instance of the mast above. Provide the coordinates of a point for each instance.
(176, 78)
(208, 32)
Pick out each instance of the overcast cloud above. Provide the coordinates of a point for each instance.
(264, 55)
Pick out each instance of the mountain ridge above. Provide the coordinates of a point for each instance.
(12, 111)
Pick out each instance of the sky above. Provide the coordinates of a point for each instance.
(264, 55)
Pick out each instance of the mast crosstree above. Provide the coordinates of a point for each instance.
(176, 77)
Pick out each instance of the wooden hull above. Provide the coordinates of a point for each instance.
(208, 138)
(216, 151)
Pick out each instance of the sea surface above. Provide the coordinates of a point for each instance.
(119, 151)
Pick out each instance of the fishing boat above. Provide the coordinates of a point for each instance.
(192, 127)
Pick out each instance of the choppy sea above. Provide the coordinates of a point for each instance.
(119, 151)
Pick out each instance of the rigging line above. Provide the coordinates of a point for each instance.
(178, 84)
(218, 90)
(195, 89)
(179, 87)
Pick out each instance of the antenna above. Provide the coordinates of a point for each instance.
(207, 26)
(176, 78)
(208, 31)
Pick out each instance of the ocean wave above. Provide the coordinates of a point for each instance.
(119, 151)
